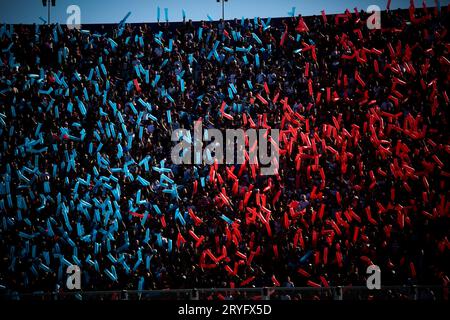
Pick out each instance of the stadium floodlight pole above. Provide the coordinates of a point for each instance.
(223, 8)
(46, 3)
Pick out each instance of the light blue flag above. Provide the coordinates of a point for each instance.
(147, 262)
(141, 284)
(292, 12)
(155, 81)
(142, 181)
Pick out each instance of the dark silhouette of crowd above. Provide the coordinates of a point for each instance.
(86, 118)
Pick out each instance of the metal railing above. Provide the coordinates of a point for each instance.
(434, 293)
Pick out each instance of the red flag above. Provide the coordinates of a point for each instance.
(313, 284)
(338, 197)
(358, 78)
(260, 98)
(247, 281)
(303, 273)
(307, 69)
(413, 270)
(324, 17)
(195, 187)
(180, 240)
(301, 26)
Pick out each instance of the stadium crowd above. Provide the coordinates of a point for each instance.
(86, 118)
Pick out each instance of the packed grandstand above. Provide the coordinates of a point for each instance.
(86, 121)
